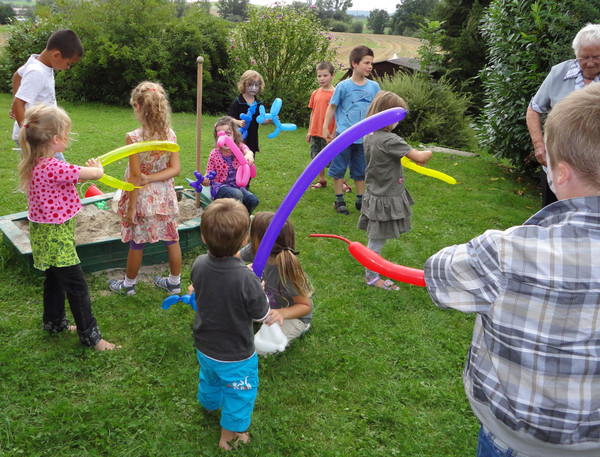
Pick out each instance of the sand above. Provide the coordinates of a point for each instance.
(94, 224)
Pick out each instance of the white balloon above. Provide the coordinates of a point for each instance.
(270, 339)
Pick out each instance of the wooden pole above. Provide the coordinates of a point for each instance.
(200, 61)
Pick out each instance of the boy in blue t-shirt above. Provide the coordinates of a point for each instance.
(349, 104)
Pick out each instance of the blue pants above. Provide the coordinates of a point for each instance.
(487, 447)
(231, 386)
(249, 200)
(354, 158)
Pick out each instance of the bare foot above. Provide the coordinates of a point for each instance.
(104, 345)
(230, 440)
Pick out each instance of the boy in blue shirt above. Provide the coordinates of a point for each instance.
(349, 105)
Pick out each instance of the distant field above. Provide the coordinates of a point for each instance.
(384, 46)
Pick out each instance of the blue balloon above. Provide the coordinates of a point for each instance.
(341, 142)
(275, 108)
(248, 118)
(187, 298)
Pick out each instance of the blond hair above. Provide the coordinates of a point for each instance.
(155, 111)
(572, 133)
(224, 226)
(227, 120)
(249, 76)
(40, 125)
(283, 252)
(383, 101)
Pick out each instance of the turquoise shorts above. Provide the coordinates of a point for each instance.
(231, 386)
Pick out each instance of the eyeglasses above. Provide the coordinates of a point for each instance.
(255, 85)
(593, 59)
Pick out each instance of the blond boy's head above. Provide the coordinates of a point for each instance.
(572, 134)
(225, 226)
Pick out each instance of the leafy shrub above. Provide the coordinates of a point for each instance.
(524, 40)
(339, 26)
(358, 27)
(435, 113)
(127, 42)
(284, 45)
(25, 38)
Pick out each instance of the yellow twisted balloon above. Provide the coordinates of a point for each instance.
(407, 163)
(126, 151)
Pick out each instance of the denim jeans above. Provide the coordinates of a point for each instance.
(249, 200)
(486, 447)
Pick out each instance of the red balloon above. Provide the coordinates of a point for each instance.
(373, 261)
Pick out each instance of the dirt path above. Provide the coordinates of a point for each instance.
(384, 46)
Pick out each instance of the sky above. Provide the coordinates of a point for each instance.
(360, 5)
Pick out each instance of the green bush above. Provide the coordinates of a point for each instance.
(284, 45)
(127, 42)
(524, 39)
(358, 27)
(339, 26)
(435, 113)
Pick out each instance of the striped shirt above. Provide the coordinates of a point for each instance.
(534, 359)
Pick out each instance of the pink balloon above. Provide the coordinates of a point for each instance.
(244, 172)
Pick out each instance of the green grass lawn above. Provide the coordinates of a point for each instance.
(379, 373)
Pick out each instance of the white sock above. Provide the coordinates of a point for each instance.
(129, 282)
(174, 280)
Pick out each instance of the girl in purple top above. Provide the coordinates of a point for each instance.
(225, 164)
(53, 202)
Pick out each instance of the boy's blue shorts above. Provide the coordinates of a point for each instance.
(231, 386)
(354, 157)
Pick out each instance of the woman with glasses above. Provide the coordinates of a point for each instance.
(563, 78)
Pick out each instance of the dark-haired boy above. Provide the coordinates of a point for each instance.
(33, 83)
(349, 104)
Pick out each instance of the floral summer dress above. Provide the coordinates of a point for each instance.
(157, 207)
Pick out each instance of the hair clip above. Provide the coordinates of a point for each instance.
(25, 125)
(152, 88)
(291, 250)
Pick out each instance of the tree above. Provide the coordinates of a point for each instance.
(284, 46)
(233, 10)
(378, 21)
(524, 39)
(6, 13)
(333, 9)
(462, 47)
(409, 14)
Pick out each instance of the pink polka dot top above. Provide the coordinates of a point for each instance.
(52, 195)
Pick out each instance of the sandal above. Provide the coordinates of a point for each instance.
(384, 284)
(319, 185)
(347, 187)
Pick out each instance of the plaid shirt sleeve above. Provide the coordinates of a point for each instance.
(466, 277)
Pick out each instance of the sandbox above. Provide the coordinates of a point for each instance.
(97, 234)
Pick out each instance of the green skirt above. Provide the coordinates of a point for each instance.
(53, 245)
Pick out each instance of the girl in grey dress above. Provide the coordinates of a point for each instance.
(385, 212)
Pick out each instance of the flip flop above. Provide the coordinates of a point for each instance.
(319, 185)
(386, 284)
(347, 187)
